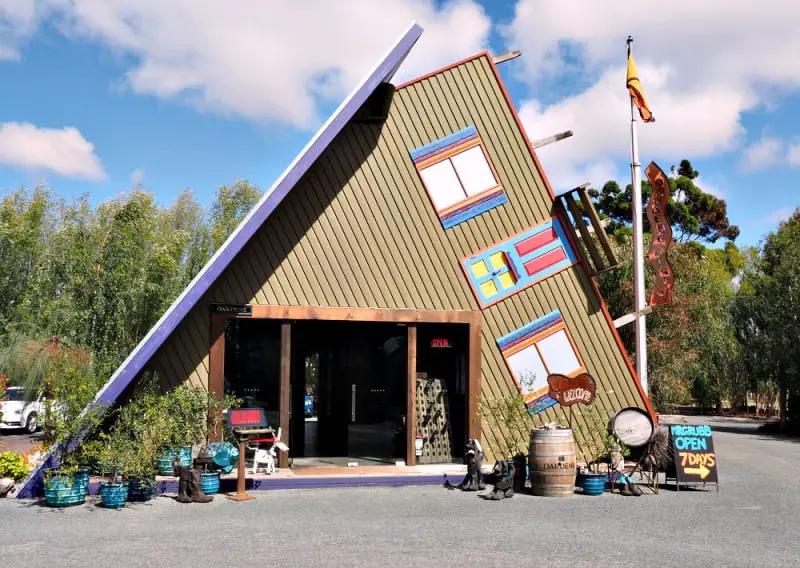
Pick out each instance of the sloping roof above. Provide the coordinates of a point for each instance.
(147, 347)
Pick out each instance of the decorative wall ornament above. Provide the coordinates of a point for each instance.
(662, 236)
(567, 391)
(512, 265)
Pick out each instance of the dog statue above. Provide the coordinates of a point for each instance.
(189, 484)
(473, 457)
(504, 481)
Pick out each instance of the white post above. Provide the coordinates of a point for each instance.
(638, 250)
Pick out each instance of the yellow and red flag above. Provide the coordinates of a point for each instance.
(637, 94)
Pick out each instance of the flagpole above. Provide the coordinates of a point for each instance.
(638, 250)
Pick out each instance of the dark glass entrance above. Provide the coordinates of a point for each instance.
(348, 393)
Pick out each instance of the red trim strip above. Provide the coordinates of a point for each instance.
(578, 252)
(530, 244)
(443, 69)
(547, 260)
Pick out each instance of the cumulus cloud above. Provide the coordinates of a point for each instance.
(698, 80)
(765, 152)
(63, 151)
(276, 61)
(793, 155)
(693, 122)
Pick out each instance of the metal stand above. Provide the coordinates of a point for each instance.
(241, 476)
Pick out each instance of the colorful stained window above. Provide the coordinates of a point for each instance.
(458, 177)
(537, 350)
(512, 265)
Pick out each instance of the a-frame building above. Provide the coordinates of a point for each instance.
(414, 245)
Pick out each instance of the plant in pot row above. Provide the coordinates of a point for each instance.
(600, 445)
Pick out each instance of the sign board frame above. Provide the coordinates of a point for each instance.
(694, 458)
(256, 416)
(233, 309)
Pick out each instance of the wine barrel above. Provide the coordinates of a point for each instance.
(633, 426)
(551, 459)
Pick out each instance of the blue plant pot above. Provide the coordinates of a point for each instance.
(140, 492)
(63, 491)
(165, 461)
(594, 484)
(82, 478)
(113, 495)
(209, 483)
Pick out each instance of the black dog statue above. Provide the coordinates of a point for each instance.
(504, 481)
(473, 457)
(189, 484)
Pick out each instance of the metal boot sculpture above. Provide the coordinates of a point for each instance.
(189, 484)
(473, 457)
(504, 484)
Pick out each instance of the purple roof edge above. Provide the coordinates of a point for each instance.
(141, 354)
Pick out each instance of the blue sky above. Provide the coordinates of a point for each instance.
(181, 94)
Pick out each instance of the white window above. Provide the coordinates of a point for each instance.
(458, 177)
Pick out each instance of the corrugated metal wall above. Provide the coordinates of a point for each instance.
(360, 231)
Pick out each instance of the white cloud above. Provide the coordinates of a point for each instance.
(765, 152)
(781, 214)
(793, 155)
(18, 19)
(268, 60)
(698, 82)
(137, 176)
(710, 187)
(60, 150)
(689, 123)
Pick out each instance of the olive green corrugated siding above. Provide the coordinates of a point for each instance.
(359, 230)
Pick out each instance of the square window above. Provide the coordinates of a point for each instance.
(507, 280)
(534, 352)
(458, 176)
(489, 288)
(498, 260)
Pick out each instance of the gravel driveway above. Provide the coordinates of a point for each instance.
(752, 521)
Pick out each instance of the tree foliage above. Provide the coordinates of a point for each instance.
(694, 214)
(99, 277)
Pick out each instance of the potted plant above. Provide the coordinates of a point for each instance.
(513, 425)
(600, 445)
(115, 452)
(184, 417)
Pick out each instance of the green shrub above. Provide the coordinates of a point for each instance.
(12, 465)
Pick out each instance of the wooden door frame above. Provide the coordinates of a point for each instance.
(287, 314)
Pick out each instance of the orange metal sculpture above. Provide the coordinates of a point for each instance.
(662, 236)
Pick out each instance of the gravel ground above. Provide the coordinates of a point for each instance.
(752, 521)
(18, 441)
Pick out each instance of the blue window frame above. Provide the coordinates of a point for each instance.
(516, 263)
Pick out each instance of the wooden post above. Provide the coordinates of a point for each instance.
(216, 363)
(285, 387)
(411, 396)
(474, 380)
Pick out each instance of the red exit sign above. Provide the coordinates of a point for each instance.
(440, 342)
(247, 418)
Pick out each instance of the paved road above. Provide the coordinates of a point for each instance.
(18, 441)
(751, 522)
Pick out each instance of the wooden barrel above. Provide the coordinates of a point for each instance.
(551, 460)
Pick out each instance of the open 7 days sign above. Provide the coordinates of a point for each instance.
(693, 451)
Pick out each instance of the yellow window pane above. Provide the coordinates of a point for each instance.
(507, 280)
(479, 269)
(489, 289)
(498, 260)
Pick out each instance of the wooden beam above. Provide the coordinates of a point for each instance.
(474, 381)
(550, 139)
(513, 54)
(216, 364)
(630, 318)
(362, 314)
(285, 402)
(597, 260)
(411, 394)
(597, 224)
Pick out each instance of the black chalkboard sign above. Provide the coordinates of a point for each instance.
(693, 451)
